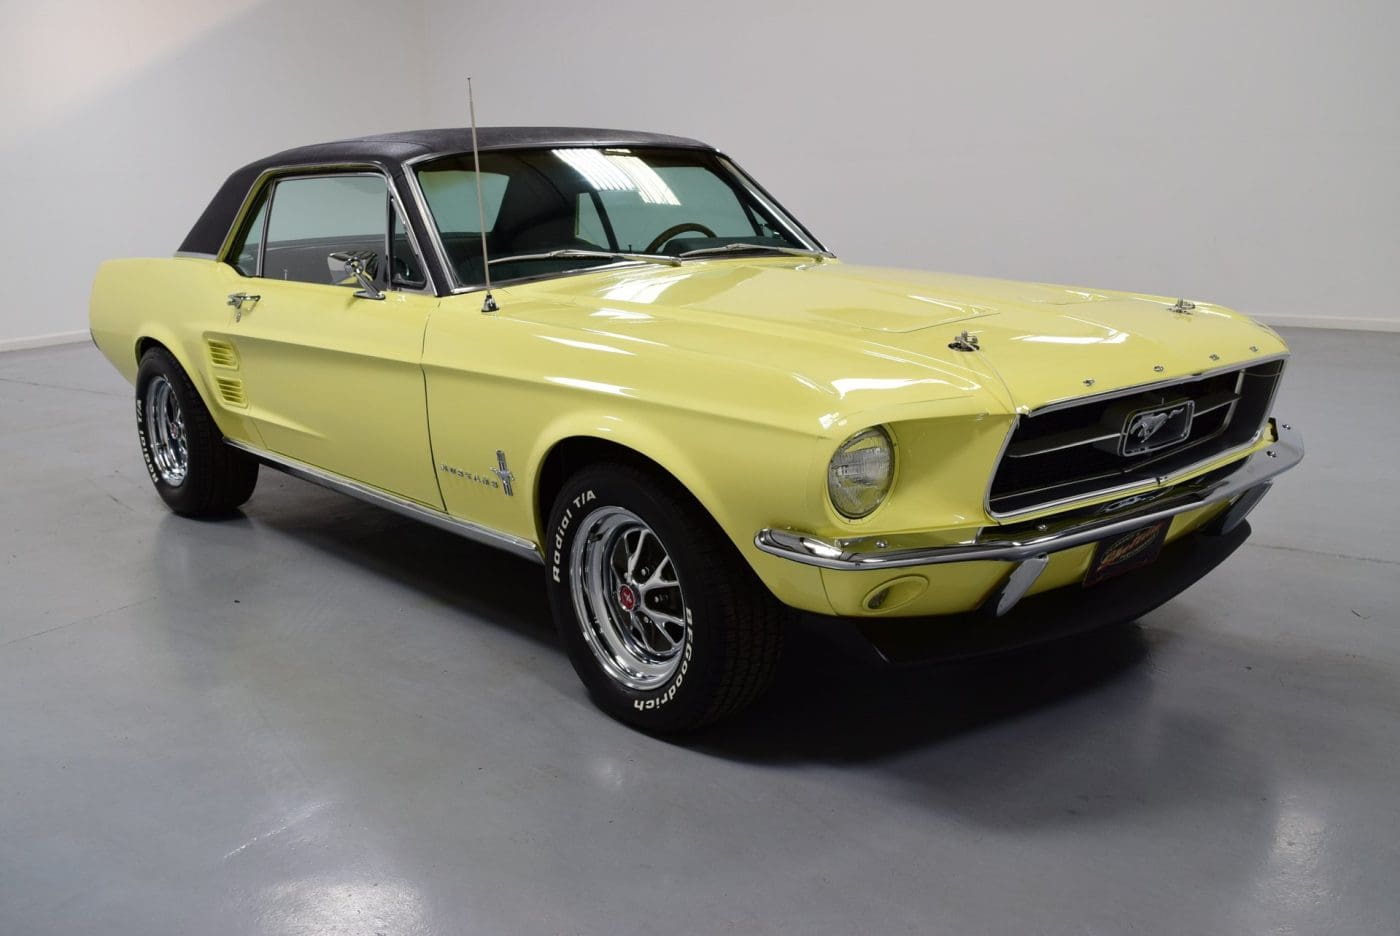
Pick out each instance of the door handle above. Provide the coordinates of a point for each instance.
(237, 299)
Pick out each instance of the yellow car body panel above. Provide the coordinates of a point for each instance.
(334, 380)
(739, 377)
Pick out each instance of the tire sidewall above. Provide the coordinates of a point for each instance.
(159, 363)
(682, 699)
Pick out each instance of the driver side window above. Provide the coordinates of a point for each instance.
(315, 216)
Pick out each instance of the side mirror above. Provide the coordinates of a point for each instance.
(356, 264)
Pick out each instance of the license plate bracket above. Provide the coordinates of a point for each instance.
(1127, 551)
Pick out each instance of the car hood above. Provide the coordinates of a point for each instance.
(1039, 343)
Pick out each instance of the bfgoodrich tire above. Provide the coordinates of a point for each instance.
(663, 621)
(194, 472)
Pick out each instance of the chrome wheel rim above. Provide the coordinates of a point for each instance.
(628, 599)
(165, 432)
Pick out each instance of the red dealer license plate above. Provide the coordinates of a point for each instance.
(1127, 551)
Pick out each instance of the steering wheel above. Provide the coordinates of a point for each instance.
(672, 231)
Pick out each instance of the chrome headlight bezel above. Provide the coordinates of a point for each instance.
(860, 474)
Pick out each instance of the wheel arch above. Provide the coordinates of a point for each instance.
(155, 337)
(570, 453)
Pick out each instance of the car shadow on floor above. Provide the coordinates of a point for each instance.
(1067, 732)
(477, 580)
(832, 698)
(834, 701)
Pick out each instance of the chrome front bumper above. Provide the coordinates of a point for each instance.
(1244, 482)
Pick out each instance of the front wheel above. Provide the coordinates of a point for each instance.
(663, 621)
(194, 472)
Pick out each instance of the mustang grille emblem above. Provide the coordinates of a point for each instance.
(1153, 429)
(1147, 424)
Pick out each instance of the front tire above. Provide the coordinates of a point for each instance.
(194, 472)
(663, 620)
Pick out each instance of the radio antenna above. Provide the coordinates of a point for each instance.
(489, 303)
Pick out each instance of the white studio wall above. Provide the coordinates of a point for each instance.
(120, 120)
(1247, 153)
(1244, 153)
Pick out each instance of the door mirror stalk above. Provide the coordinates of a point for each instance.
(345, 264)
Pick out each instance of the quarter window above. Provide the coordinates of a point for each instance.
(245, 257)
(408, 271)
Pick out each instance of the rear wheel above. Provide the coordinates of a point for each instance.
(663, 620)
(194, 472)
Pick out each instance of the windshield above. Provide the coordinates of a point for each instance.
(550, 211)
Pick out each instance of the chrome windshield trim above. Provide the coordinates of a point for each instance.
(570, 253)
(715, 253)
(997, 544)
(400, 505)
(420, 201)
(619, 265)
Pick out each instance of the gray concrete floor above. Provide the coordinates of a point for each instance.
(319, 718)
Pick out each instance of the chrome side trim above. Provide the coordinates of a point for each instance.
(994, 543)
(464, 528)
(194, 255)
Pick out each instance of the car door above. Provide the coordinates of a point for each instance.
(331, 366)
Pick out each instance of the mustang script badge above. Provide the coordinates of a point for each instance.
(1152, 429)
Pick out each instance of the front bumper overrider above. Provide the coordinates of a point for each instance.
(1026, 547)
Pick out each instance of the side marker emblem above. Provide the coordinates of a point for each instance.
(504, 473)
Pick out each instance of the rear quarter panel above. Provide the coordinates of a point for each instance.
(177, 302)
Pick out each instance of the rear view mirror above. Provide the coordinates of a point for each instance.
(357, 265)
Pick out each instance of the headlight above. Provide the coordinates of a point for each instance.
(860, 472)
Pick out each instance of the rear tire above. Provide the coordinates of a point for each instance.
(663, 620)
(194, 472)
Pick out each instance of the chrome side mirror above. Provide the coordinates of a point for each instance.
(356, 264)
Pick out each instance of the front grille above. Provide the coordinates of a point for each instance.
(1067, 453)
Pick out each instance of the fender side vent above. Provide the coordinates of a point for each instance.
(231, 392)
(222, 354)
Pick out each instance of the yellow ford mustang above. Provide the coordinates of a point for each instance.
(692, 414)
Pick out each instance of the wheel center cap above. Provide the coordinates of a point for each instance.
(627, 597)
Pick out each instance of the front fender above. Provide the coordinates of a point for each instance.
(736, 472)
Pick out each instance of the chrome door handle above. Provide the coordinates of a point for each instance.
(237, 299)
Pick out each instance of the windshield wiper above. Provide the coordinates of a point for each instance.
(772, 248)
(569, 252)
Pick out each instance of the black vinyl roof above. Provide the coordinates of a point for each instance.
(389, 151)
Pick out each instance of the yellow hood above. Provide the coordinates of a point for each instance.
(830, 321)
